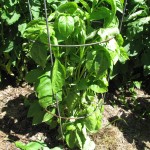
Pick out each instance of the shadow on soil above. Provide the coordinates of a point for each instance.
(135, 125)
(16, 125)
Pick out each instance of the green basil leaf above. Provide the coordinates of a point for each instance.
(69, 7)
(35, 28)
(43, 88)
(71, 139)
(98, 61)
(93, 122)
(100, 13)
(35, 109)
(106, 33)
(113, 12)
(33, 75)
(99, 88)
(39, 53)
(48, 116)
(66, 25)
(58, 77)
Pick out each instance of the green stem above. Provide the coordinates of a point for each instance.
(82, 72)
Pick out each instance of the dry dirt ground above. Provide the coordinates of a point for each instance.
(122, 129)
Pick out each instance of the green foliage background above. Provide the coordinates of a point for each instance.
(136, 33)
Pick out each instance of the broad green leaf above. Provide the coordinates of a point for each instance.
(33, 75)
(35, 109)
(39, 53)
(55, 49)
(71, 139)
(106, 33)
(94, 121)
(98, 61)
(66, 25)
(36, 146)
(80, 135)
(49, 116)
(20, 145)
(35, 28)
(71, 100)
(58, 77)
(32, 145)
(69, 7)
(99, 88)
(79, 139)
(82, 84)
(100, 13)
(113, 11)
(43, 88)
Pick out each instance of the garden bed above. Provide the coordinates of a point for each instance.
(122, 128)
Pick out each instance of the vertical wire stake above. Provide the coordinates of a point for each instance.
(48, 32)
(50, 49)
(125, 4)
(61, 130)
(30, 9)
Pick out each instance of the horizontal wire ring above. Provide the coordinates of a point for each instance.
(78, 45)
(73, 118)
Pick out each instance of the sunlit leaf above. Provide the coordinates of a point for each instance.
(43, 88)
(66, 25)
(69, 7)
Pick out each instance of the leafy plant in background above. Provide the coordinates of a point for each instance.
(11, 55)
(14, 58)
(128, 94)
(73, 76)
(136, 34)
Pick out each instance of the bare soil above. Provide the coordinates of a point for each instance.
(124, 128)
